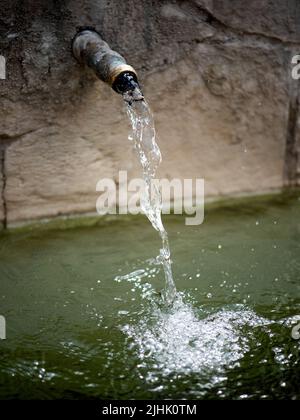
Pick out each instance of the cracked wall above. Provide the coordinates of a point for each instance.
(3, 210)
(217, 75)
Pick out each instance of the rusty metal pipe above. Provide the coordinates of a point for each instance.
(109, 66)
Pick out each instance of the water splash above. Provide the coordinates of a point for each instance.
(185, 341)
(144, 138)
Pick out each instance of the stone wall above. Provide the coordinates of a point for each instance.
(217, 75)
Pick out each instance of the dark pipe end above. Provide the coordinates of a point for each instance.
(124, 82)
(127, 83)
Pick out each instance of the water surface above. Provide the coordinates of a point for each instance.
(84, 315)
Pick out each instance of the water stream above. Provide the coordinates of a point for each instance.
(144, 138)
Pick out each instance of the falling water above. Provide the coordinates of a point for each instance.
(143, 136)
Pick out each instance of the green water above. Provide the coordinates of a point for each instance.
(84, 319)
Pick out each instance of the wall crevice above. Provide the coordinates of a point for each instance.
(217, 23)
(3, 189)
(291, 151)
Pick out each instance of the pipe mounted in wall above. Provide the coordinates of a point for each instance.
(90, 49)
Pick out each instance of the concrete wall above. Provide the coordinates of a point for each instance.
(217, 75)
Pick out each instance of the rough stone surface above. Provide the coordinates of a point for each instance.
(217, 75)
(2, 217)
(297, 144)
(270, 18)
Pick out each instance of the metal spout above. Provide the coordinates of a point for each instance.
(109, 66)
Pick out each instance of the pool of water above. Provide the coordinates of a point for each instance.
(85, 320)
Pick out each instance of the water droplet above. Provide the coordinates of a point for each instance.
(123, 312)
